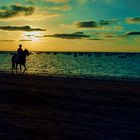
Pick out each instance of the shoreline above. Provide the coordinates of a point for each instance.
(135, 52)
(80, 77)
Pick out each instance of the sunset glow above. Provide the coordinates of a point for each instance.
(70, 25)
(31, 36)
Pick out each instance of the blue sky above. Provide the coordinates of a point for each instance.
(70, 25)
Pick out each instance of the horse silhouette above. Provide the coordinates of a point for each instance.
(19, 60)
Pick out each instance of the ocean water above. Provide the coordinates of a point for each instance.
(89, 65)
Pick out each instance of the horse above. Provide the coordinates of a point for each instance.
(19, 59)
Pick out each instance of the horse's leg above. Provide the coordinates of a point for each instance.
(24, 69)
(13, 63)
(12, 68)
(20, 68)
(16, 68)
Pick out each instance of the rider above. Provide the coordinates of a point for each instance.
(20, 50)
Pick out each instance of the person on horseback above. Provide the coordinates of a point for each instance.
(19, 58)
(20, 50)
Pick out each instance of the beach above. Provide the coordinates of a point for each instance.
(56, 108)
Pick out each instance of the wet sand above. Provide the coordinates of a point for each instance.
(57, 108)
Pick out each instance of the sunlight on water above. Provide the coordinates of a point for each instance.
(99, 65)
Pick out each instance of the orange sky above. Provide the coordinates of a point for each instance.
(67, 25)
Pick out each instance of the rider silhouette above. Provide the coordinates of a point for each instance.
(20, 50)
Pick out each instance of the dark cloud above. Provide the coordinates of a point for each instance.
(111, 36)
(107, 22)
(95, 24)
(133, 20)
(87, 24)
(20, 28)
(133, 33)
(14, 10)
(25, 40)
(7, 40)
(76, 35)
(95, 39)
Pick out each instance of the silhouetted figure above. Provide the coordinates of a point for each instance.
(20, 59)
(19, 53)
(20, 50)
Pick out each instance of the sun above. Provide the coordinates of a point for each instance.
(32, 36)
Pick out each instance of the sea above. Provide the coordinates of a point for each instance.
(97, 65)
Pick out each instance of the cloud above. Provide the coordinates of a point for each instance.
(25, 40)
(95, 39)
(133, 33)
(94, 24)
(62, 8)
(103, 36)
(7, 40)
(48, 1)
(75, 35)
(15, 10)
(133, 20)
(107, 22)
(58, 1)
(20, 28)
(77, 1)
(86, 24)
(108, 26)
(108, 2)
(109, 36)
(20, 13)
(51, 1)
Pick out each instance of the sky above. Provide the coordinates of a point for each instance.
(70, 25)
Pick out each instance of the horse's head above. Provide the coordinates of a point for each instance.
(26, 52)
